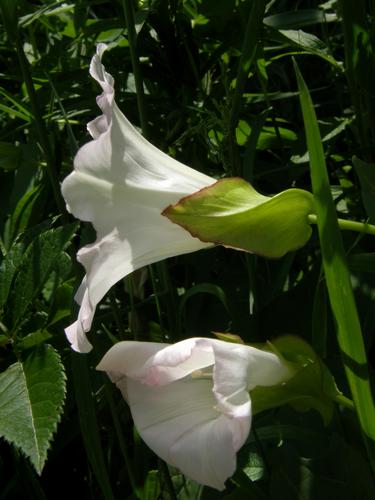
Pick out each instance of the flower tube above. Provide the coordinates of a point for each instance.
(121, 183)
(190, 401)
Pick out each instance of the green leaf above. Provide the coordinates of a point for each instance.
(23, 212)
(8, 268)
(366, 174)
(151, 488)
(41, 258)
(33, 339)
(312, 387)
(337, 276)
(233, 214)
(306, 41)
(32, 394)
(298, 18)
(268, 138)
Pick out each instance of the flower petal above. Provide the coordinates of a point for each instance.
(240, 368)
(127, 359)
(180, 423)
(121, 184)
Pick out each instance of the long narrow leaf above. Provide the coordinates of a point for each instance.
(336, 271)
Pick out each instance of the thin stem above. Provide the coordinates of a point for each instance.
(344, 401)
(127, 6)
(248, 52)
(348, 225)
(120, 436)
(40, 125)
(157, 301)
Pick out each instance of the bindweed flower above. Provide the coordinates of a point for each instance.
(121, 184)
(190, 401)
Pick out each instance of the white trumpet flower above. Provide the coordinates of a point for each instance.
(121, 184)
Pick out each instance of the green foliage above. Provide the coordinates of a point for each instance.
(349, 334)
(32, 392)
(212, 84)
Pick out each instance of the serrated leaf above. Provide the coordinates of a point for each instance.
(8, 268)
(232, 213)
(40, 260)
(33, 339)
(32, 394)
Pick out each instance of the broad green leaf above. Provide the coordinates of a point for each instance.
(33, 339)
(312, 386)
(233, 214)
(366, 174)
(41, 258)
(337, 276)
(32, 393)
(8, 267)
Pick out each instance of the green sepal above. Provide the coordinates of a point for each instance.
(311, 387)
(233, 214)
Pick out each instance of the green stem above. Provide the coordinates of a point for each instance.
(127, 6)
(248, 52)
(344, 401)
(348, 225)
(120, 436)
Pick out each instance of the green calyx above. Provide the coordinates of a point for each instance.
(233, 214)
(311, 387)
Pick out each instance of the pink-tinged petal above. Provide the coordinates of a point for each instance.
(128, 359)
(155, 363)
(178, 360)
(190, 401)
(121, 184)
(181, 424)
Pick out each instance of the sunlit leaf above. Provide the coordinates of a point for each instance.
(32, 393)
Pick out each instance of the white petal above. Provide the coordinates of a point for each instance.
(129, 358)
(180, 424)
(121, 184)
(238, 369)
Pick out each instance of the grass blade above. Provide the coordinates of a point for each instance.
(336, 271)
